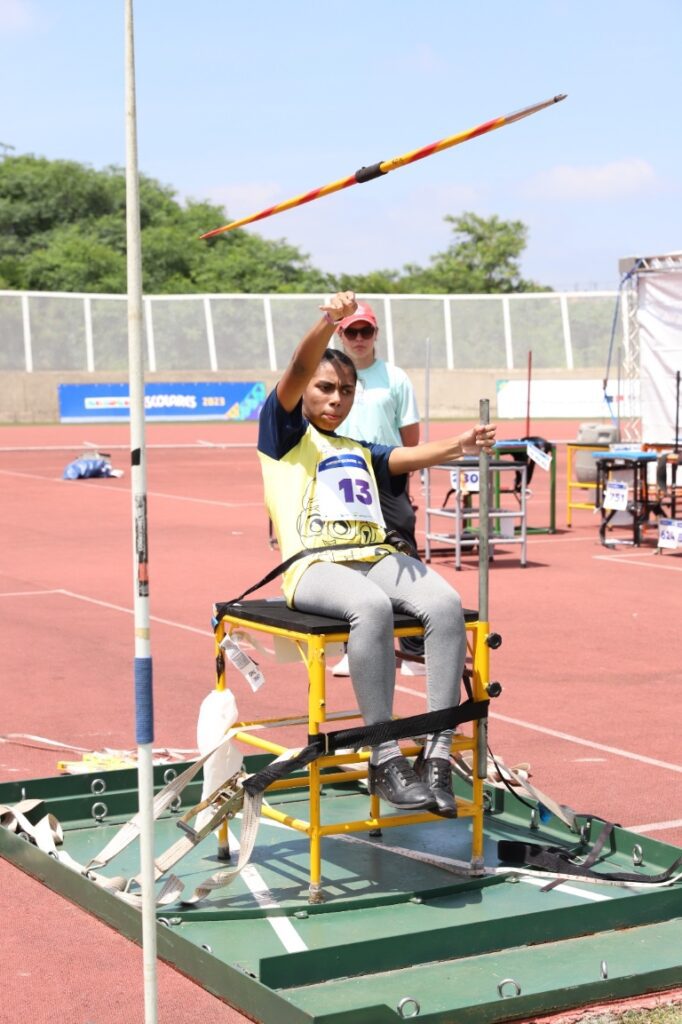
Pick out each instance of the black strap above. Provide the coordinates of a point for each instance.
(383, 547)
(401, 728)
(367, 736)
(559, 859)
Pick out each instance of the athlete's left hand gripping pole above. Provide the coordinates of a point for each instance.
(144, 706)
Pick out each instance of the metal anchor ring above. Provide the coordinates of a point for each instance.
(405, 1002)
(508, 981)
(99, 810)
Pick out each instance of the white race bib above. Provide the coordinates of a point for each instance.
(346, 490)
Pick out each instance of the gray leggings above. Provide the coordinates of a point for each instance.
(365, 593)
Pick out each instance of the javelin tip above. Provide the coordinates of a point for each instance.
(560, 97)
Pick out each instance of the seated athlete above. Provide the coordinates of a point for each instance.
(321, 493)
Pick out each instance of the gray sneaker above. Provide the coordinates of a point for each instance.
(436, 773)
(396, 782)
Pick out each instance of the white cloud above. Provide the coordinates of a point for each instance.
(606, 181)
(17, 16)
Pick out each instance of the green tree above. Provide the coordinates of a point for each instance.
(62, 228)
(483, 257)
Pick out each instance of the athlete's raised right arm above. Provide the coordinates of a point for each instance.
(309, 351)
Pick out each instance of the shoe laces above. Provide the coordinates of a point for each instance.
(405, 771)
(440, 774)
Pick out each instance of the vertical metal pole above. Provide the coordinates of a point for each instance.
(483, 573)
(619, 386)
(144, 707)
(530, 371)
(26, 322)
(426, 473)
(388, 318)
(427, 392)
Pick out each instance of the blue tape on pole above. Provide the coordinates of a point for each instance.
(144, 701)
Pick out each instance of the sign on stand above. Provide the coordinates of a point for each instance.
(542, 459)
(466, 480)
(616, 496)
(670, 533)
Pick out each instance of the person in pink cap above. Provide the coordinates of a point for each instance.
(384, 411)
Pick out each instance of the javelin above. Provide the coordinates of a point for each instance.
(376, 170)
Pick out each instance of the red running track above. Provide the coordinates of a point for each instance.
(590, 664)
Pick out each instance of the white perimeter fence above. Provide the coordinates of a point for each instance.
(81, 332)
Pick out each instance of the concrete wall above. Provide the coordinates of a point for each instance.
(454, 394)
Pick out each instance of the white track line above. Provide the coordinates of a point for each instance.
(282, 926)
(590, 743)
(32, 476)
(108, 604)
(120, 447)
(640, 565)
(656, 826)
(598, 897)
(554, 539)
(150, 494)
(568, 737)
(129, 611)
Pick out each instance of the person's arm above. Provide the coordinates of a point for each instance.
(471, 442)
(410, 435)
(306, 358)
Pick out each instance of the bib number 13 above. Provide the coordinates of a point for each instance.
(355, 490)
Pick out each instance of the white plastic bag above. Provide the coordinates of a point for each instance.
(217, 714)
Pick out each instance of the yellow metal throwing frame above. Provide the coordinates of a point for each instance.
(312, 641)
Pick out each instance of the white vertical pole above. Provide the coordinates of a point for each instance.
(427, 393)
(26, 324)
(269, 332)
(566, 328)
(144, 708)
(506, 320)
(89, 345)
(447, 319)
(388, 317)
(210, 334)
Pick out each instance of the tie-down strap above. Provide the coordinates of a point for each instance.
(562, 860)
(367, 736)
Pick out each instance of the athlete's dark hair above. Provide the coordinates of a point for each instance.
(333, 355)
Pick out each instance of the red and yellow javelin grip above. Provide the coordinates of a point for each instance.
(376, 170)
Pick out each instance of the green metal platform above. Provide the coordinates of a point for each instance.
(395, 938)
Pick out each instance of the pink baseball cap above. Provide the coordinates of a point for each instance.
(364, 312)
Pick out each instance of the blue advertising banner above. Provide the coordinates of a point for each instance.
(242, 400)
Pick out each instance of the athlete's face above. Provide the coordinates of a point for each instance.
(328, 398)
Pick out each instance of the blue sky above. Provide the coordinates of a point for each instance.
(247, 104)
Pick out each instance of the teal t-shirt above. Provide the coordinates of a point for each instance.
(384, 402)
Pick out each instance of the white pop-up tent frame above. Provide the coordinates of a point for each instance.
(652, 341)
